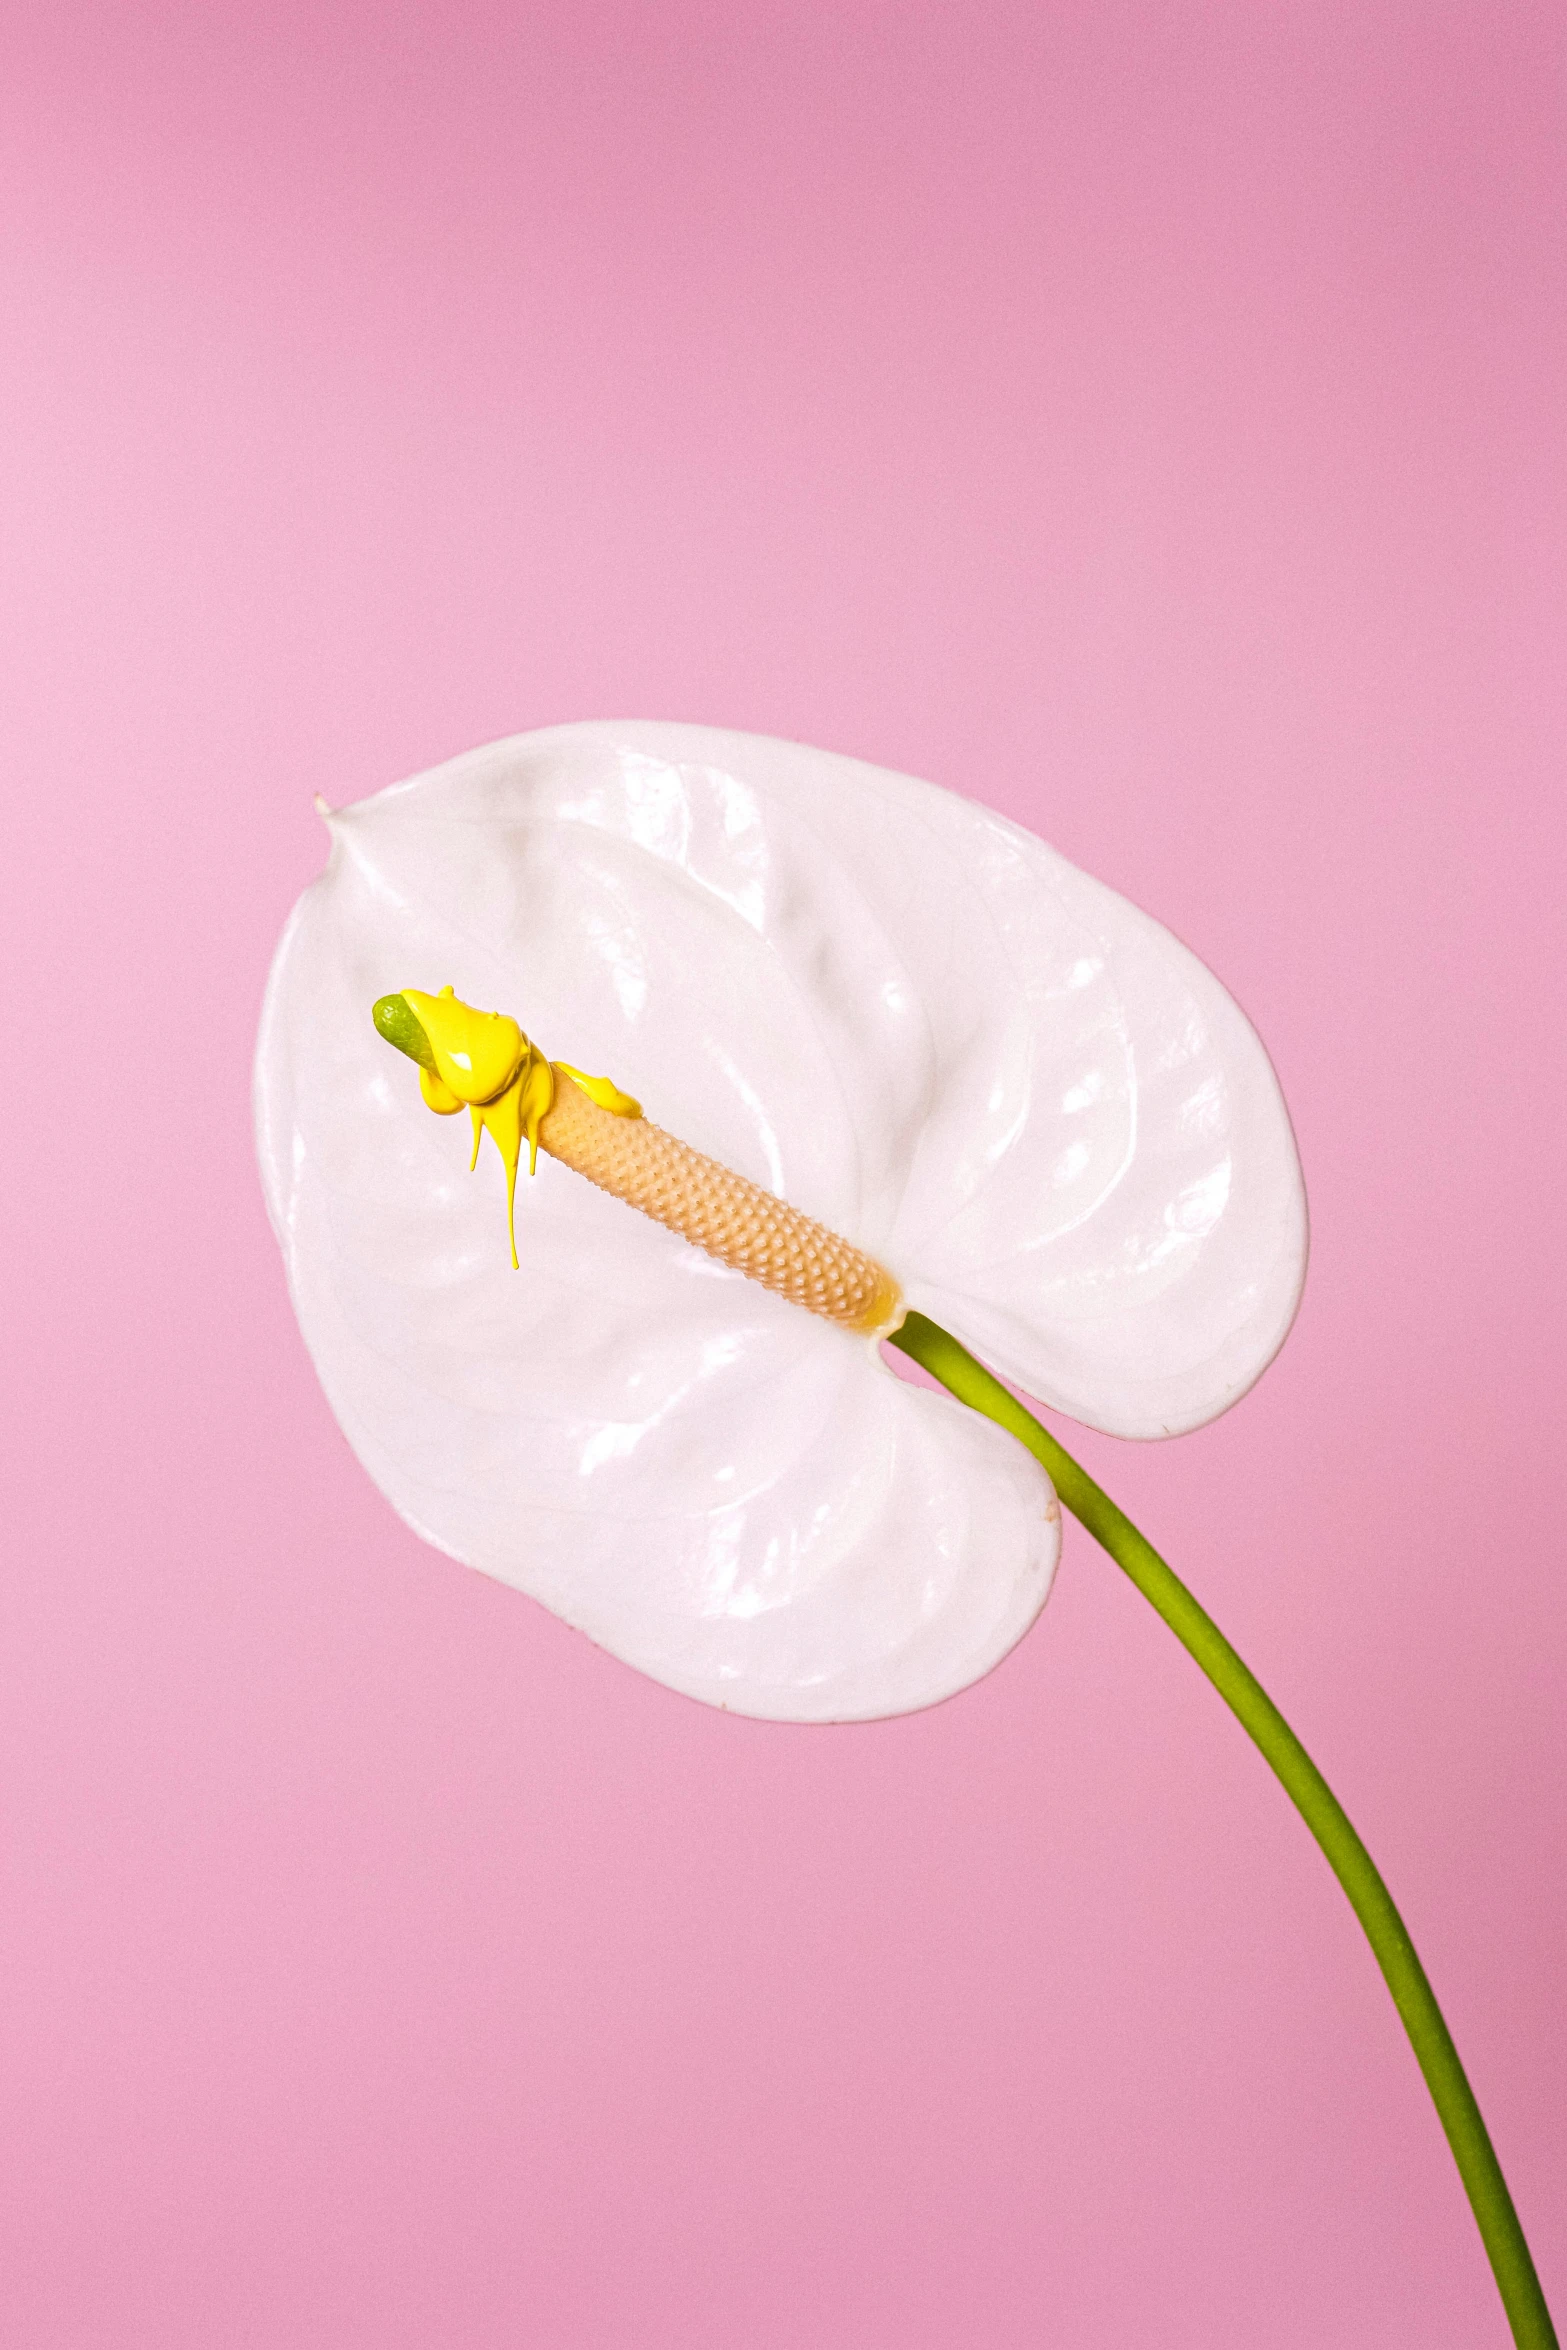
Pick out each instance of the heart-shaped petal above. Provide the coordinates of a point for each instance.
(879, 1001)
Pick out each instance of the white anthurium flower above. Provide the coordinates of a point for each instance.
(882, 1003)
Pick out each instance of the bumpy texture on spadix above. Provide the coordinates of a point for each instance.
(881, 1004)
(596, 1130)
(733, 1219)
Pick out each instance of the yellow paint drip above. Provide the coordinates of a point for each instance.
(484, 1062)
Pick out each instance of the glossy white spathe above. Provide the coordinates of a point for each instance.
(881, 1001)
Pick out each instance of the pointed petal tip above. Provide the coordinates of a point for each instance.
(324, 810)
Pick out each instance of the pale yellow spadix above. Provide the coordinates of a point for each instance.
(485, 1060)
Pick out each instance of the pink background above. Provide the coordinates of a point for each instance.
(1147, 419)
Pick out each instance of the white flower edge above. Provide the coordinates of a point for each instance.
(885, 1003)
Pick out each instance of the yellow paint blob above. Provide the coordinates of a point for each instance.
(438, 1094)
(484, 1062)
(477, 1053)
(601, 1090)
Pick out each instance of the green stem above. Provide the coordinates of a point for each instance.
(1319, 1807)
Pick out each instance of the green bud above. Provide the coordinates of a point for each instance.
(395, 1020)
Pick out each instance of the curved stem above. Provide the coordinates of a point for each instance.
(1319, 1807)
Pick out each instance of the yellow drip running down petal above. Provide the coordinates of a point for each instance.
(484, 1060)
